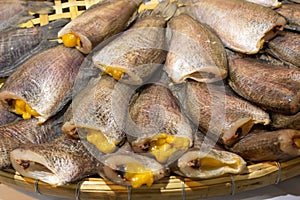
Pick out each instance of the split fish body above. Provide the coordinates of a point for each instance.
(195, 52)
(42, 86)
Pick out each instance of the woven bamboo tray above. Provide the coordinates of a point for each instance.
(175, 187)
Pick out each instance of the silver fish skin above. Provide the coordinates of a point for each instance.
(44, 82)
(155, 111)
(138, 52)
(59, 162)
(219, 113)
(100, 22)
(195, 51)
(266, 145)
(256, 23)
(205, 160)
(116, 165)
(18, 44)
(273, 87)
(99, 110)
(26, 132)
(15, 12)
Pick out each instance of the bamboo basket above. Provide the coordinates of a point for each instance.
(175, 187)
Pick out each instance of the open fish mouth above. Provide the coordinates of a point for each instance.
(21, 108)
(35, 167)
(199, 164)
(162, 146)
(132, 170)
(240, 128)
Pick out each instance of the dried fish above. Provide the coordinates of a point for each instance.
(26, 132)
(241, 25)
(156, 125)
(272, 87)
(280, 121)
(42, 86)
(59, 162)
(14, 12)
(99, 113)
(269, 145)
(195, 52)
(17, 45)
(291, 12)
(286, 47)
(131, 169)
(137, 53)
(216, 111)
(207, 161)
(98, 23)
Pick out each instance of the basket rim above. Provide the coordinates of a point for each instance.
(259, 175)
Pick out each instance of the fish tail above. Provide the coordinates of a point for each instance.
(40, 7)
(165, 9)
(50, 30)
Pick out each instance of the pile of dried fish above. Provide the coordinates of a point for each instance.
(196, 88)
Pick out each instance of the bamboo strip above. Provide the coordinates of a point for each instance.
(69, 9)
(175, 187)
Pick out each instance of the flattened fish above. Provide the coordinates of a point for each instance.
(291, 11)
(272, 87)
(98, 23)
(42, 86)
(277, 145)
(280, 121)
(26, 132)
(241, 25)
(99, 113)
(194, 52)
(14, 12)
(286, 47)
(137, 53)
(207, 161)
(17, 45)
(156, 125)
(218, 112)
(131, 169)
(59, 162)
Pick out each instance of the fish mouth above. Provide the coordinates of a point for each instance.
(99, 140)
(208, 165)
(77, 40)
(21, 107)
(33, 166)
(272, 32)
(239, 129)
(162, 146)
(130, 172)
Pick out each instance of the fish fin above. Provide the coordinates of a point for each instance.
(50, 30)
(164, 9)
(39, 7)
